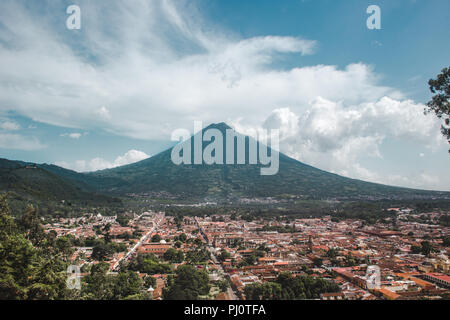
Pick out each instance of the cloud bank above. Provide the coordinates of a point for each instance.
(98, 163)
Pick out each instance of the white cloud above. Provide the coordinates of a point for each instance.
(103, 112)
(75, 135)
(335, 136)
(130, 157)
(9, 125)
(156, 69)
(20, 142)
(98, 163)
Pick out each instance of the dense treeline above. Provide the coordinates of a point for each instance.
(49, 209)
(99, 285)
(189, 284)
(369, 211)
(150, 264)
(287, 287)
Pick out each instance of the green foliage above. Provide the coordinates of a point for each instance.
(332, 253)
(223, 285)
(263, 291)
(250, 260)
(198, 256)
(279, 229)
(127, 284)
(224, 255)
(182, 237)
(149, 263)
(350, 261)
(446, 241)
(189, 283)
(149, 281)
(426, 248)
(174, 256)
(440, 102)
(33, 266)
(123, 220)
(99, 285)
(317, 262)
(103, 250)
(178, 244)
(49, 281)
(288, 287)
(26, 271)
(156, 238)
(416, 249)
(49, 185)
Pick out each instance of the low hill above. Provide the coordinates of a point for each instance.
(48, 183)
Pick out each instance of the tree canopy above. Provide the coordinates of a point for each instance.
(287, 287)
(189, 284)
(440, 102)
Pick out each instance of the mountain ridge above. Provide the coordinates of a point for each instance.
(158, 174)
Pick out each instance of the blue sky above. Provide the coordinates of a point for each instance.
(400, 51)
(346, 99)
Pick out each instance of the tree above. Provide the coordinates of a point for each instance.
(99, 286)
(27, 272)
(127, 284)
(224, 255)
(446, 241)
(154, 267)
(304, 287)
(107, 227)
(156, 238)
(64, 246)
(250, 260)
(223, 285)
(440, 102)
(198, 256)
(183, 237)
(416, 249)
(173, 255)
(426, 248)
(49, 282)
(317, 262)
(16, 257)
(350, 260)
(123, 220)
(332, 253)
(29, 224)
(263, 291)
(101, 251)
(188, 284)
(149, 281)
(149, 263)
(178, 244)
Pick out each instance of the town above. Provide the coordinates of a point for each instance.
(264, 258)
